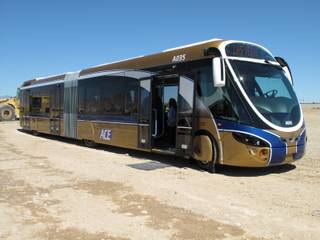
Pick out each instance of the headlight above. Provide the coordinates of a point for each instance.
(249, 140)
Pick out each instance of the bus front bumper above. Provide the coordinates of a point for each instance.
(249, 156)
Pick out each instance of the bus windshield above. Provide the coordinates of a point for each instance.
(270, 92)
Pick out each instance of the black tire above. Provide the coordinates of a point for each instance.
(35, 133)
(7, 113)
(89, 143)
(211, 166)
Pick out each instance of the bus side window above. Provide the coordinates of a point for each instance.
(112, 98)
(222, 102)
(130, 102)
(40, 101)
(131, 96)
(35, 104)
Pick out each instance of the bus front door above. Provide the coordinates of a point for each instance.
(145, 98)
(185, 117)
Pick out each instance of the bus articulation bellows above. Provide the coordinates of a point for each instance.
(235, 105)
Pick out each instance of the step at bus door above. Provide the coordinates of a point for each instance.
(185, 115)
(144, 134)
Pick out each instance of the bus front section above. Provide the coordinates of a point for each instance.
(256, 111)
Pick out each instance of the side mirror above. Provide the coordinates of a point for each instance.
(285, 68)
(219, 78)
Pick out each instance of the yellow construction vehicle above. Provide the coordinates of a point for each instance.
(9, 109)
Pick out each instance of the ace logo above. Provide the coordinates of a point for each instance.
(106, 134)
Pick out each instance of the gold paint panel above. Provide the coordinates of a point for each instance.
(85, 130)
(43, 125)
(195, 52)
(238, 154)
(33, 123)
(123, 135)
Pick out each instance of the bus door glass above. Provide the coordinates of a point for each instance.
(144, 135)
(55, 110)
(165, 96)
(185, 116)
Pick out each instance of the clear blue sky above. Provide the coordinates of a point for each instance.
(39, 38)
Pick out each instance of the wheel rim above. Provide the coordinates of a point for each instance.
(6, 114)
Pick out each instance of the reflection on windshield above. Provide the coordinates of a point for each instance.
(270, 92)
(223, 102)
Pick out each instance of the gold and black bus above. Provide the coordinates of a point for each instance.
(234, 104)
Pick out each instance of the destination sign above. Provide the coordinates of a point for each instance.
(246, 50)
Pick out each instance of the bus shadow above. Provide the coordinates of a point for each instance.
(151, 161)
(52, 137)
(154, 161)
(254, 172)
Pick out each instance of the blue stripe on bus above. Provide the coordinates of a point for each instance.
(300, 146)
(109, 118)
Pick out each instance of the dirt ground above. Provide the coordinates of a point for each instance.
(56, 189)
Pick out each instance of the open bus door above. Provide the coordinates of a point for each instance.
(144, 126)
(185, 121)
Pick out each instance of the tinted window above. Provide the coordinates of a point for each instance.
(40, 101)
(145, 100)
(270, 91)
(186, 95)
(223, 102)
(108, 98)
(25, 100)
(36, 103)
(131, 97)
(185, 102)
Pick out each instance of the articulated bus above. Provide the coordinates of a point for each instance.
(234, 105)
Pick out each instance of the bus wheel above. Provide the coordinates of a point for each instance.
(211, 166)
(89, 143)
(35, 133)
(7, 113)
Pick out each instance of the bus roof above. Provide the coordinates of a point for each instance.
(190, 52)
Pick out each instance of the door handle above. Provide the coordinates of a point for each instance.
(155, 122)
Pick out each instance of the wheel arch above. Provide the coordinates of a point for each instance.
(214, 143)
(9, 104)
